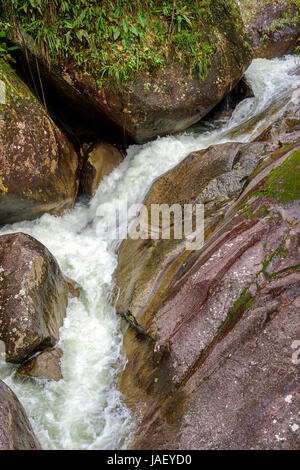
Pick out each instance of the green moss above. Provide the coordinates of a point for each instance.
(244, 302)
(290, 269)
(115, 40)
(251, 7)
(280, 252)
(283, 183)
(261, 212)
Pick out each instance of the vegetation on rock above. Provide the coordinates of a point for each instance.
(272, 25)
(283, 183)
(115, 40)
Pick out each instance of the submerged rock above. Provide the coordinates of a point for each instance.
(172, 98)
(273, 26)
(16, 432)
(45, 365)
(38, 164)
(220, 371)
(101, 160)
(33, 296)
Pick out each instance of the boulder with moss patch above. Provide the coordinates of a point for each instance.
(38, 164)
(214, 177)
(153, 72)
(273, 26)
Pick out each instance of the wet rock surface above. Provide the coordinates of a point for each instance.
(15, 429)
(45, 365)
(284, 130)
(33, 296)
(73, 287)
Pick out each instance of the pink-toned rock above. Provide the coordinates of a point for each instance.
(219, 373)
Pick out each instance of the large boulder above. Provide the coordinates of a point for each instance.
(273, 26)
(38, 164)
(33, 296)
(217, 366)
(15, 429)
(173, 96)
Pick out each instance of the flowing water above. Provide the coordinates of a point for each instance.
(85, 409)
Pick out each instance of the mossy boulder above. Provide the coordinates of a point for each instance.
(38, 164)
(33, 297)
(273, 26)
(16, 432)
(160, 96)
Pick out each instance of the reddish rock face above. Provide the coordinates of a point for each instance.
(15, 429)
(220, 373)
(38, 165)
(273, 26)
(33, 296)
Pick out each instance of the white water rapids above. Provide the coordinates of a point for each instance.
(85, 409)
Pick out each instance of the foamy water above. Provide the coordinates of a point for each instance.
(85, 410)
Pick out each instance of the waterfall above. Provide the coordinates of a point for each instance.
(85, 410)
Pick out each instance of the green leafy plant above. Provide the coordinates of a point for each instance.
(115, 39)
